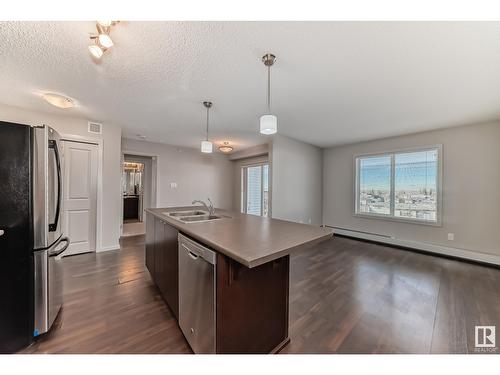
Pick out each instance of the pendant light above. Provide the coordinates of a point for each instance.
(268, 122)
(206, 145)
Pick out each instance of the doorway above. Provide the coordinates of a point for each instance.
(255, 189)
(79, 215)
(137, 193)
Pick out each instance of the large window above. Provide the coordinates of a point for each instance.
(255, 189)
(400, 185)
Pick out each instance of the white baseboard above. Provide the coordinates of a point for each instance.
(424, 246)
(108, 248)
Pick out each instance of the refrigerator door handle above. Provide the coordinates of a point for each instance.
(53, 226)
(62, 250)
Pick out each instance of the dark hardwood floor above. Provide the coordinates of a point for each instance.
(346, 296)
(112, 306)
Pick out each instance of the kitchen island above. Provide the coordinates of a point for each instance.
(250, 260)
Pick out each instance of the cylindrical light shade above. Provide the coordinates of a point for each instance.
(206, 147)
(105, 40)
(96, 51)
(268, 124)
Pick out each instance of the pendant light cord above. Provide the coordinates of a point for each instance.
(208, 109)
(269, 89)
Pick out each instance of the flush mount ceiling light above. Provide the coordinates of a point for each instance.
(102, 40)
(57, 100)
(225, 148)
(268, 122)
(206, 145)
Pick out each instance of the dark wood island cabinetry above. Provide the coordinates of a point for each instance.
(162, 259)
(251, 278)
(252, 306)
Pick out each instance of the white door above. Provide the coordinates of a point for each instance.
(80, 196)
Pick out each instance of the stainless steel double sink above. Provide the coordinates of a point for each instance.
(193, 216)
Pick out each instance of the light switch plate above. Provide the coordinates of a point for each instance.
(451, 236)
(173, 185)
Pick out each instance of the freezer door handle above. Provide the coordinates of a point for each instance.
(62, 250)
(53, 226)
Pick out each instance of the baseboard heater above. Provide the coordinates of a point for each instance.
(338, 230)
(419, 246)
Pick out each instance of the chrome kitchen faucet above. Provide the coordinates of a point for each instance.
(210, 208)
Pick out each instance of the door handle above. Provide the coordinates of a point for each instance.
(53, 226)
(60, 251)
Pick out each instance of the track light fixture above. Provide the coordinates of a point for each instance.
(102, 40)
(105, 23)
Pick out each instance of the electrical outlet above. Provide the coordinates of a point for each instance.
(451, 236)
(309, 220)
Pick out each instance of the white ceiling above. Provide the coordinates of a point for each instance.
(333, 82)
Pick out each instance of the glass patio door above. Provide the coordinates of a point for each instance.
(255, 190)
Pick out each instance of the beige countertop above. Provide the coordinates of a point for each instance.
(248, 239)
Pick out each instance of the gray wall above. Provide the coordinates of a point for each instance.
(250, 152)
(471, 188)
(197, 175)
(296, 174)
(111, 169)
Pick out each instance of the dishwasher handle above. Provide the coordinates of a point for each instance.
(196, 250)
(190, 253)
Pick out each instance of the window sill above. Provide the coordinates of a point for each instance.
(399, 220)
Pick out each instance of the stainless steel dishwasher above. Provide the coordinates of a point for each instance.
(197, 294)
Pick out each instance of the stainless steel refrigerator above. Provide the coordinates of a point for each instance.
(31, 239)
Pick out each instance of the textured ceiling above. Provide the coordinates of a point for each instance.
(333, 83)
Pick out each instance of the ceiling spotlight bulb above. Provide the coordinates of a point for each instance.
(105, 41)
(225, 148)
(58, 101)
(96, 51)
(105, 23)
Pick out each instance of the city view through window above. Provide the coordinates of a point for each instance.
(399, 185)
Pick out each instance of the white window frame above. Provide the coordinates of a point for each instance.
(244, 187)
(390, 217)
